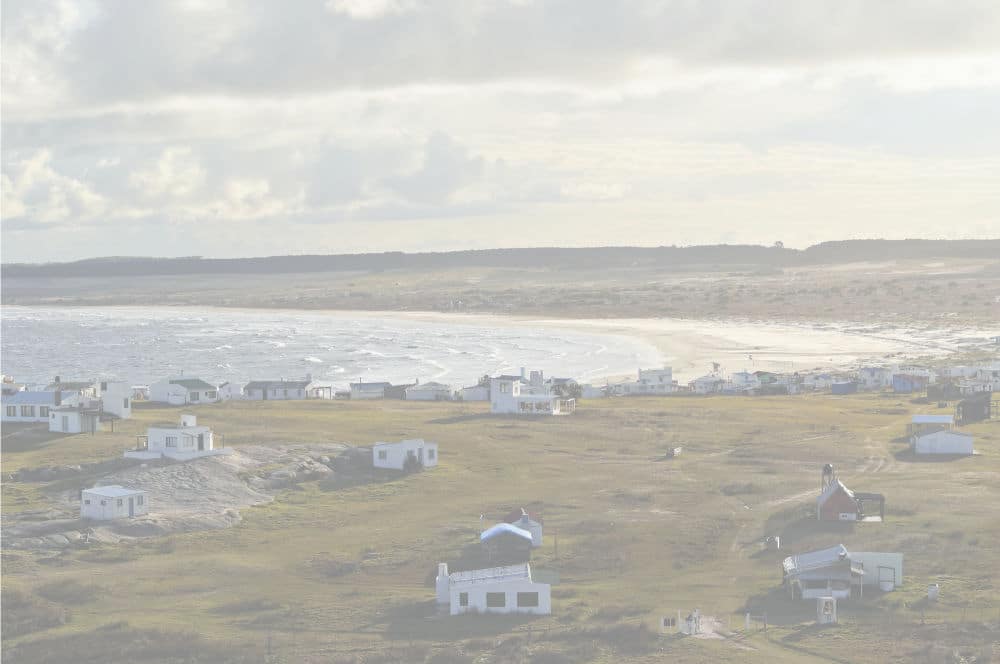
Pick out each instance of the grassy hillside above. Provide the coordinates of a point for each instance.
(346, 575)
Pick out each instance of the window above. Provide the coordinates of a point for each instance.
(139, 500)
(86, 502)
(120, 502)
(211, 394)
(11, 411)
(504, 388)
(171, 441)
(383, 455)
(527, 599)
(104, 502)
(463, 599)
(43, 411)
(27, 411)
(430, 454)
(125, 402)
(195, 396)
(496, 600)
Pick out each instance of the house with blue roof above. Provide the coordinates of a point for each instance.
(34, 406)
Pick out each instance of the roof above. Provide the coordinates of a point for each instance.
(42, 398)
(942, 433)
(832, 488)
(429, 386)
(283, 384)
(508, 377)
(521, 572)
(362, 386)
(932, 419)
(113, 491)
(804, 562)
(71, 385)
(192, 383)
(504, 528)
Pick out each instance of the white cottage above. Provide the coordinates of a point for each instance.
(475, 393)
(649, 381)
(710, 384)
(942, 442)
(182, 391)
(508, 589)
(428, 392)
(27, 406)
(362, 390)
(277, 390)
(182, 443)
(393, 456)
(75, 419)
(116, 398)
(511, 396)
(103, 503)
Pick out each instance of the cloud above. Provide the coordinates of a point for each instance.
(33, 189)
(176, 174)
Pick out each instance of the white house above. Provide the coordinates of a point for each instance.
(709, 384)
(428, 392)
(394, 455)
(475, 393)
(116, 398)
(523, 519)
(362, 390)
(81, 418)
(183, 442)
(510, 396)
(874, 378)
(277, 390)
(230, 391)
(183, 391)
(27, 406)
(942, 442)
(507, 589)
(649, 381)
(744, 381)
(112, 502)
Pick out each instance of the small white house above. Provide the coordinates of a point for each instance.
(874, 378)
(942, 442)
(277, 390)
(116, 398)
(475, 393)
(394, 455)
(507, 589)
(27, 406)
(230, 391)
(75, 419)
(649, 381)
(428, 392)
(182, 443)
(362, 390)
(103, 503)
(510, 396)
(524, 520)
(183, 391)
(710, 384)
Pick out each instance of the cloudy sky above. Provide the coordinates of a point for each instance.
(238, 128)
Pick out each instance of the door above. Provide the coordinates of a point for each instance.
(201, 442)
(131, 507)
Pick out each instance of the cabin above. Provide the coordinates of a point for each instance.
(525, 520)
(362, 390)
(277, 390)
(104, 503)
(400, 456)
(921, 424)
(506, 589)
(838, 503)
(836, 572)
(942, 442)
(506, 544)
(79, 418)
(183, 391)
(27, 407)
(182, 442)
(428, 392)
(909, 383)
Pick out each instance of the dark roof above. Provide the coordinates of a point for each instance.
(508, 377)
(193, 384)
(364, 385)
(27, 398)
(281, 384)
(70, 385)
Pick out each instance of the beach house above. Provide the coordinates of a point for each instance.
(182, 391)
(277, 390)
(511, 395)
(182, 442)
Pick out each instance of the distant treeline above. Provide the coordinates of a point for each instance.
(709, 256)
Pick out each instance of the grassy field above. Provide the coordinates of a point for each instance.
(347, 575)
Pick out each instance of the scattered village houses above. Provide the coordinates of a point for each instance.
(405, 453)
(430, 391)
(104, 503)
(27, 406)
(181, 442)
(506, 590)
(363, 390)
(183, 391)
(942, 442)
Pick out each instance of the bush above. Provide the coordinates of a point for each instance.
(69, 592)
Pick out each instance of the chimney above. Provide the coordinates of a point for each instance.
(57, 381)
(442, 584)
(58, 395)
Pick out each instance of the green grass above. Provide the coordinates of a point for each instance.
(637, 538)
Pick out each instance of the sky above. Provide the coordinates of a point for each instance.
(247, 128)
